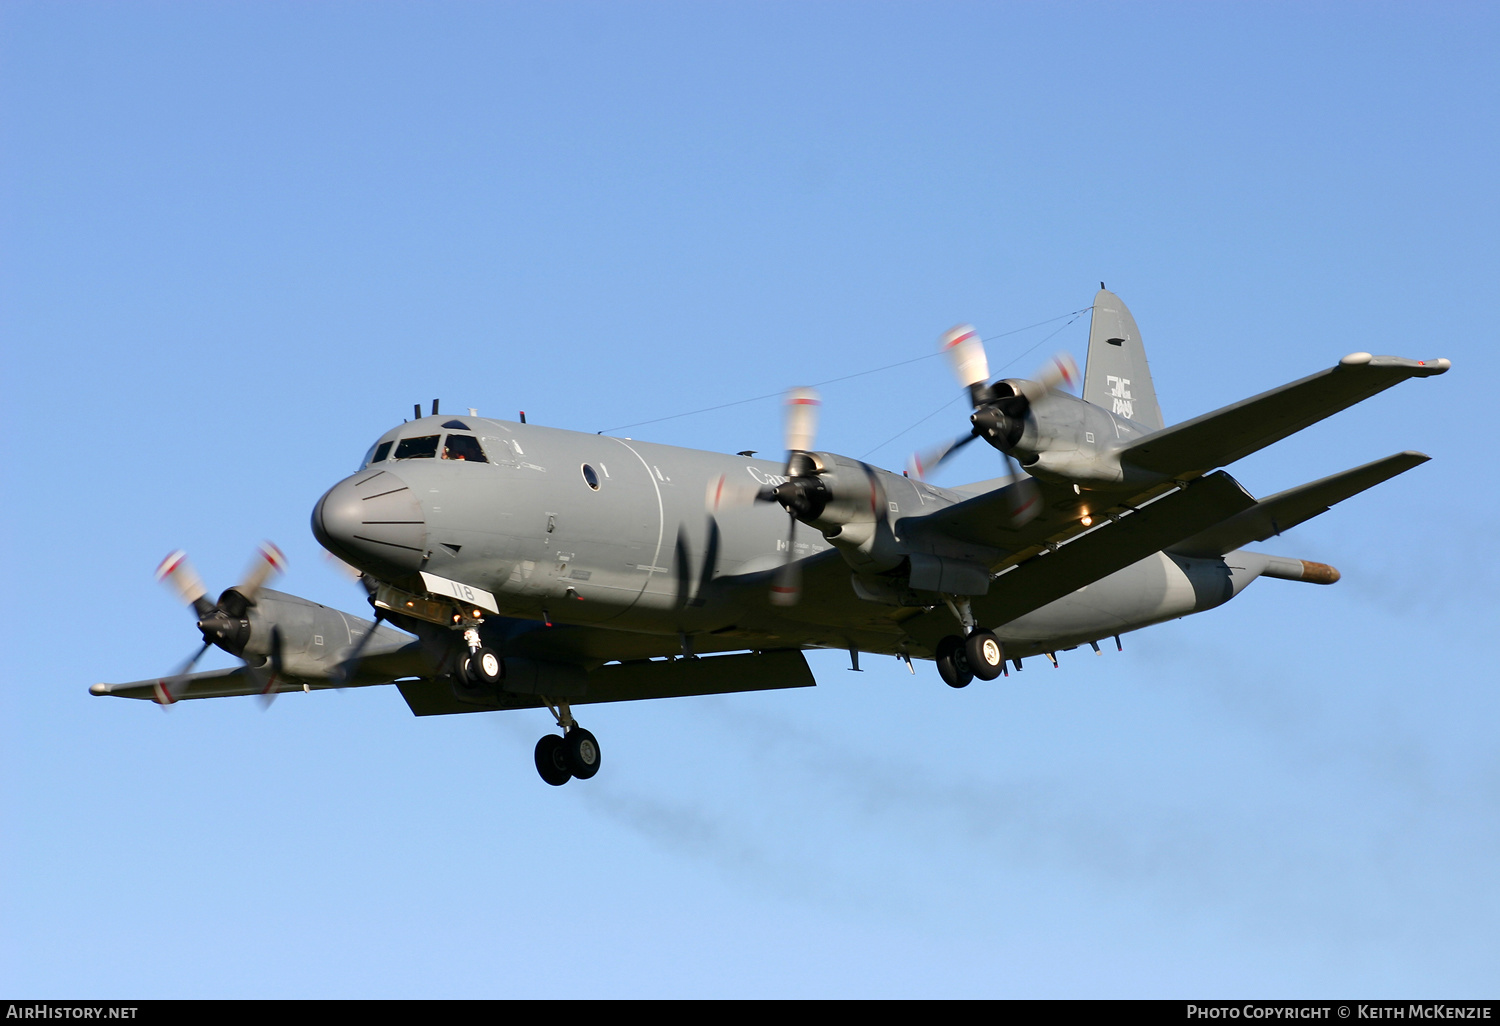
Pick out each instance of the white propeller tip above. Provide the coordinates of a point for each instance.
(801, 418)
(966, 351)
(169, 565)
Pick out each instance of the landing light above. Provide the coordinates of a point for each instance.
(1087, 521)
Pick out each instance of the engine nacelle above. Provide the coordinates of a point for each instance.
(1057, 437)
(314, 639)
(852, 512)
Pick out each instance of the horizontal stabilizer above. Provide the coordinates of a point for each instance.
(1113, 547)
(1235, 431)
(1285, 510)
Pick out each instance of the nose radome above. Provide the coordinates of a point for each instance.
(372, 521)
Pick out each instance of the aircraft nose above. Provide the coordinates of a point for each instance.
(372, 521)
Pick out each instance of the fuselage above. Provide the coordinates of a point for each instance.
(573, 528)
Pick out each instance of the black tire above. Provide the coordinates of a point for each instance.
(952, 663)
(552, 760)
(582, 750)
(484, 666)
(984, 654)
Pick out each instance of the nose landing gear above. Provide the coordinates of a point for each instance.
(574, 754)
(479, 665)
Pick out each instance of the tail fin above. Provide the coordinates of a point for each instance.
(1116, 376)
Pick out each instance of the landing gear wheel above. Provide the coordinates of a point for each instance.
(984, 655)
(483, 667)
(552, 760)
(582, 751)
(953, 663)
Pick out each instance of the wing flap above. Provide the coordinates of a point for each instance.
(1235, 431)
(1285, 510)
(1047, 577)
(634, 681)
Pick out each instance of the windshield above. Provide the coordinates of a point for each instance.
(463, 447)
(420, 448)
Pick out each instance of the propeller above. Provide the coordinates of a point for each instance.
(803, 494)
(221, 623)
(350, 663)
(1000, 412)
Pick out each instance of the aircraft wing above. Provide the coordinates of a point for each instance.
(1285, 510)
(1235, 431)
(1113, 546)
(985, 522)
(392, 656)
(626, 682)
(217, 684)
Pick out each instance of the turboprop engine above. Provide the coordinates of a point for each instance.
(1055, 436)
(845, 500)
(1052, 435)
(272, 632)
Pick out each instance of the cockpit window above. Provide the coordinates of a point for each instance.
(456, 424)
(381, 452)
(463, 447)
(422, 448)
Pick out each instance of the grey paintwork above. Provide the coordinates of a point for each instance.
(655, 550)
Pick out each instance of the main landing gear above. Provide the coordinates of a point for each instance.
(977, 654)
(574, 754)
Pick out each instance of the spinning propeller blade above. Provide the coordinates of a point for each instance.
(1000, 412)
(801, 419)
(786, 586)
(221, 623)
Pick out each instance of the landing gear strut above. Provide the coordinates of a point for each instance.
(480, 666)
(977, 654)
(574, 754)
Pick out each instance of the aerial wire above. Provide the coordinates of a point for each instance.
(964, 395)
(1074, 314)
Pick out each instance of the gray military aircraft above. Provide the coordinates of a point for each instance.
(517, 566)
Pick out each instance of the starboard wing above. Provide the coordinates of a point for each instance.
(1235, 431)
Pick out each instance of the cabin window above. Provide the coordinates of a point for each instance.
(421, 448)
(463, 447)
(590, 478)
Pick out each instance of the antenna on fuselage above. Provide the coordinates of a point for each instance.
(434, 407)
(416, 411)
(523, 416)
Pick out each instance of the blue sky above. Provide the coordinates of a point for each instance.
(238, 241)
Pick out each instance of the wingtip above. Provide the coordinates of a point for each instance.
(1418, 368)
(99, 689)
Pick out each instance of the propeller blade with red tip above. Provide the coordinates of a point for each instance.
(921, 464)
(1025, 495)
(171, 689)
(179, 574)
(966, 352)
(801, 420)
(786, 586)
(268, 562)
(1059, 372)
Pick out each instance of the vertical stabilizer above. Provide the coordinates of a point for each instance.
(1117, 376)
